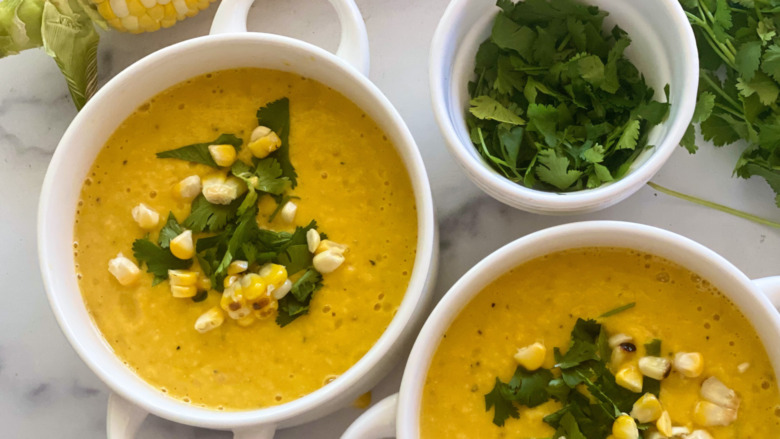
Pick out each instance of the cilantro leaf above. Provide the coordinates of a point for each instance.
(170, 230)
(276, 116)
(770, 63)
(530, 388)
(157, 259)
(555, 170)
(485, 107)
(748, 58)
(504, 408)
(270, 177)
(630, 135)
(199, 152)
(296, 303)
(207, 217)
(762, 85)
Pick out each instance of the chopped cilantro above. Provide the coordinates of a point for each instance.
(170, 230)
(199, 152)
(158, 260)
(556, 106)
(650, 385)
(296, 303)
(618, 310)
(207, 217)
(201, 296)
(276, 116)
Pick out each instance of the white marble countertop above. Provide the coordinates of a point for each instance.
(45, 389)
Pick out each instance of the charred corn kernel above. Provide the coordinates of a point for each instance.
(209, 320)
(183, 291)
(220, 190)
(742, 368)
(699, 434)
(714, 391)
(237, 267)
(327, 244)
(531, 357)
(312, 240)
(288, 212)
(204, 283)
(625, 428)
(230, 280)
(664, 424)
(246, 320)
(328, 261)
(233, 302)
(274, 274)
(183, 277)
(263, 142)
(688, 364)
(708, 414)
(656, 368)
(282, 291)
(647, 409)
(629, 377)
(223, 155)
(620, 356)
(146, 217)
(124, 270)
(266, 311)
(618, 339)
(182, 246)
(188, 188)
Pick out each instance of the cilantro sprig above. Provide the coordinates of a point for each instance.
(739, 87)
(199, 152)
(556, 106)
(584, 364)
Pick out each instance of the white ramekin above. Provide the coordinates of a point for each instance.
(663, 48)
(228, 46)
(398, 415)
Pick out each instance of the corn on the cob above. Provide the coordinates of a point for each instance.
(137, 16)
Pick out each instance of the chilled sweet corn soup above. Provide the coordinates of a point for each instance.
(600, 343)
(257, 332)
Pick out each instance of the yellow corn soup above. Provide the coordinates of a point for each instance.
(350, 179)
(541, 300)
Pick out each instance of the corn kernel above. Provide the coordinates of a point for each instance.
(146, 217)
(618, 339)
(204, 283)
(183, 277)
(209, 320)
(664, 424)
(647, 408)
(220, 190)
(223, 155)
(263, 312)
(328, 261)
(282, 291)
(699, 434)
(629, 377)
(708, 414)
(742, 368)
(183, 291)
(625, 428)
(124, 270)
(106, 12)
(327, 244)
(312, 240)
(182, 246)
(230, 280)
(263, 142)
(135, 7)
(656, 368)
(130, 23)
(119, 7)
(714, 391)
(188, 188)
(254, 287)
(274, 274)
(689, 364)
(531, 357)
(233, 302)
(237, 267)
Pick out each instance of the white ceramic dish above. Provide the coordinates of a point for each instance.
(229, 46)
(663, 48)
(398, 415)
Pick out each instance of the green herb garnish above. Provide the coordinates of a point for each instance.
(170, 230)
(618, 310)
(584, 363)
(739, 51)
(276, 116)
(556, 106)
(296, 303)
(207, 217)
(199, 152)
(158, 260)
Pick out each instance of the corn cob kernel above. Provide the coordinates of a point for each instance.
(138, 16)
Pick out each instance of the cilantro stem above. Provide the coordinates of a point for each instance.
(717, 88)
(716, 206)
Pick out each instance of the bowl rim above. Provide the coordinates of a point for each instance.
(417, 294)
(511, 255)
(534, 200)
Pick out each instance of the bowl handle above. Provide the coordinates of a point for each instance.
(378, 422)
(771, 287)
(124, 418)
(353, 48)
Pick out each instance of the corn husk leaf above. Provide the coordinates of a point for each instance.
(20, 25)
(71, 39)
